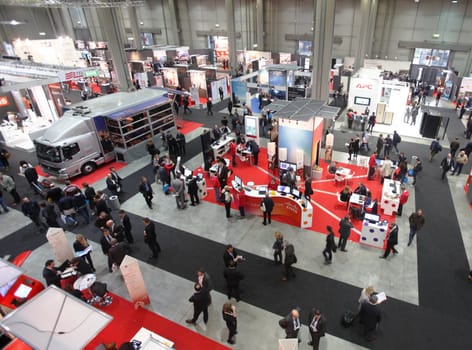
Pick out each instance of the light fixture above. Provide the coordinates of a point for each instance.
(130, 38)
(79, 22)
(217, 25)
(454, 1)
(417, 1)
(254, 45)
(436, 35)
(42, 33)
(311, 28)
(141, 23)
(14, 22)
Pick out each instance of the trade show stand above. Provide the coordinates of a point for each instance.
(221, 146)
(298, 210)
(390, 196)
(374, 231)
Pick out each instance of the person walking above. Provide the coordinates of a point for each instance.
(317, 327)
(233, 277)
(209, 107)
(403, 199)
(126, 223)
(416, 221)
(396, 139)
(454, 146)
(9, 186)
(446, 164)
(228, 198)
(267, 205)
(416, 169)
(186, 104)
(435, 148)
(345, 226)
(290, 259)
(380, 144)
(372, 165)
(330, 246)
(278, 247)
(200, 302)
(371, 122)
(150, 238)
(230, 318)
(461, 160)
(146, 191)
(32, 210)
(369, 317)
(392, 241)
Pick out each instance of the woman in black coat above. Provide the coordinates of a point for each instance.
(308, 189)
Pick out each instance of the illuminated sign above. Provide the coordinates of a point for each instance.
(4, 101)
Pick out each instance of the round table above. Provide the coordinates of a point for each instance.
(85, 281)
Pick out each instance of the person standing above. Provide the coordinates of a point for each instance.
(330, 246)
(380, 144)
(388, 145)
(81, 244)
(406, 116)
(178, 185)
(233, 151)
(200, 304)
(186, 104)
(416, 169)
(180, 138)
(192, 190)
(416, 221)
(230, 107)
(215, 181)
(227, 198)
(105, 243)
(118, 180)
(150, 238)
(32, 177)
(90, 194)
(308, 189)
(292, 324)
(233, 277)
(414, 114)
(396, 139)
(461, 160)
(290, 259)
(371, 122)
(230, 317)
(350, 148)
(9, 185)
(403, 199)
(220, 91)
(80, 206)
(372, 165)
(345, 226)
(278, 247)
(317, 328)
(32, 210)
(356, 146)
(435, 148)
(446, 164)
(392, 241)
(2, 203)
(126, 223)
(267, 206)
(454, 146)
(146, 191)
(241, 197)
(209, 107)
(369, 317)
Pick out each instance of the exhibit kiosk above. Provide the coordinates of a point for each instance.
(390, 196)
(374, 231)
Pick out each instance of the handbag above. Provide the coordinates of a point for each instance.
(263, 208)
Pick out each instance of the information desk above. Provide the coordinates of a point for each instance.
(374, 233)
(390, 196)
(284, 205)
(221, 146)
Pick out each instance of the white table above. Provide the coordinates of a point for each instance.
(356, 199)
(390, 196)
(152, 341)
(85, 281)
(343, 174)
(221, 146)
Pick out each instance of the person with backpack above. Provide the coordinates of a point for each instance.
(435, 148)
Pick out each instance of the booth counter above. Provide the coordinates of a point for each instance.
(390, 196)
(300, 212)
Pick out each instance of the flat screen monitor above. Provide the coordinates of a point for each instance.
(296, 193)
(371, 217)
(238, 181)
(283, 189)
(363, 101)
(287, 165)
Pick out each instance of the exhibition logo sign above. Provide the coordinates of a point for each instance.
(4, 101)
(364, 86)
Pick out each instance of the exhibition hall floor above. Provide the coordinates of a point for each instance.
(426, 285)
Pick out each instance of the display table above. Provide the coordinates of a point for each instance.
(284, 205)
(85, 281)
(343, 174)
(356, 200)
(374, 233)
(390, 196)
(221, 146)
(152, 341)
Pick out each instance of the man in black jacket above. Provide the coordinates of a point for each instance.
(32, 210)
(345, 226)
(231, 255)
(200, 301)
(369, 317)
(52, 274)
(233, 276)
(268, 206)
(192, 189)
(117, 252)
(105, 242)
(146, 191)
(291, 323)
(446, 165)
(126, 223)
(317, 328)
(391, 241)
(150, 238)
(32, 176)
(290, 259)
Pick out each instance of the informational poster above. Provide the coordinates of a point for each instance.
(60, 246)
(134, 281)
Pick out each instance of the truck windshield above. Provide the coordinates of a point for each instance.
(48, 153)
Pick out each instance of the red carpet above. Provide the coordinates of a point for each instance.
(186, 126)
(100, 173)
(326, 209)
(127, 321)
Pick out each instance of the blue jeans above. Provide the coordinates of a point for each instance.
(413, 232)
(2, 203)
(217, 194)
(84, 213)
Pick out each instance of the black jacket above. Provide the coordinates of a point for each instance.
(200, 300)
(345, 228)
(369, 315)
(233, 276)
(330, 244)
(31, 209)
(150, 233)
(320, 326)
(268, 203)
(31, 174)
(393, 237)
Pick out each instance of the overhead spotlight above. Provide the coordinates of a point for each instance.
(141, 23)
(454, 1)
(217, 25)
(254, 45)
(42, 33)
(417, 1)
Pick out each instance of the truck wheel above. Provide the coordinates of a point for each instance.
(87, 168)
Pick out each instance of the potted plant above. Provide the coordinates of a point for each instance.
(317, 172)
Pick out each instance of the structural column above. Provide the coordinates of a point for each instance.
(367, 25)
(138, 45)
(111, 28)
(233, 62)
(323, 34)
(172, 30)
(260, 25)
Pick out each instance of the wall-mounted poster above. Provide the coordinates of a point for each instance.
(305, 47)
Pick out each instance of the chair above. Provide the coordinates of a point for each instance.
(343, 203)
(99, 294)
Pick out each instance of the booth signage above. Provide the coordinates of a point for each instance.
(4, 101)
(364, 86)
(91, 73)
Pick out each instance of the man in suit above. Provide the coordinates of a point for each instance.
(150, 238)
(317, 328)
(222, 173)
(105, 242)
(32, 176)
(126, 223)
(268, 205)
(112, 185)
(231, 255)
(292, 324)
(193, 191)
(345, 226)
(32, 210)
(118, 180)
(178, 184)
(290, 259)
(369, 317)
(204, 280)
(391, 241)
(117, 252)
(200, 300)
(146, 191)
(117, 231)
(52, 274)
(446, 165)
(232, 277)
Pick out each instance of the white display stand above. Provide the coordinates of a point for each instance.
(61, 247)
(288, 344)
(390, 197)
(374, 234)
(282, 154)
(221, 146)
(202, 189)
(152, 341)
(134, 281)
